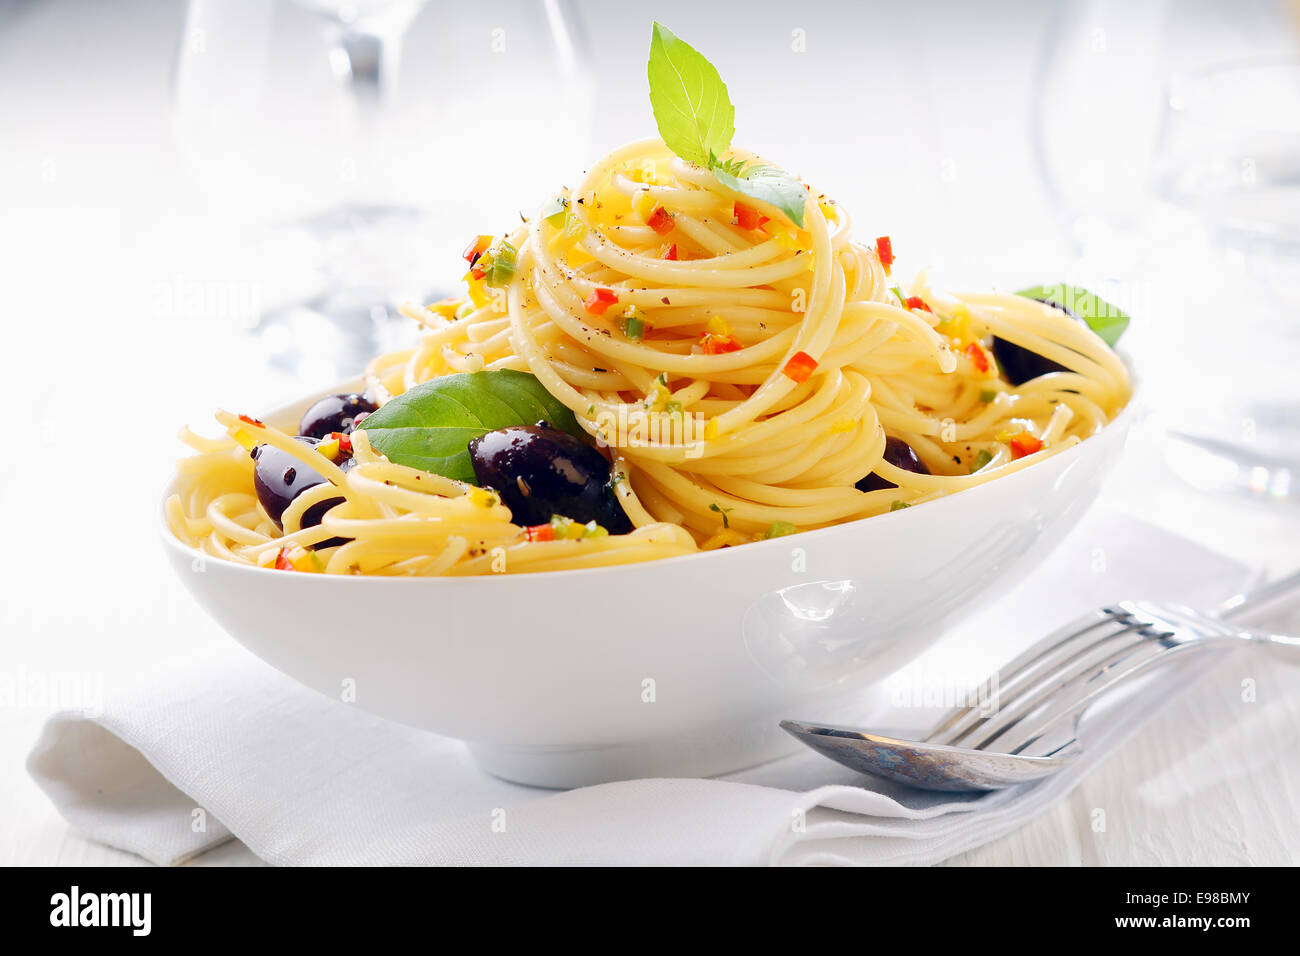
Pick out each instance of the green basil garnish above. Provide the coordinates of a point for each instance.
(696, 121)
(1108, 321)
(431, 425)
(695, 116)
(767, 184)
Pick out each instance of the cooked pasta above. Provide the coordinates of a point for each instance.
(750, 378)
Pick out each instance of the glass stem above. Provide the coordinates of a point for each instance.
(367, 61)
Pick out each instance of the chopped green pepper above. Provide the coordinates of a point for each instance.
(501, 269)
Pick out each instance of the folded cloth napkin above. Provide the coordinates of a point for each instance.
(223, 746)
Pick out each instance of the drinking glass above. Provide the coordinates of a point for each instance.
(1227, 183)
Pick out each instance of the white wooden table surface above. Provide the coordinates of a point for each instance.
(95, 215)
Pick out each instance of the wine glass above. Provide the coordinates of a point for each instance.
(346, 149)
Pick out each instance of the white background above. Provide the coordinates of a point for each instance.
(121, 252)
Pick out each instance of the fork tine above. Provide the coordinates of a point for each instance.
(1024, 672)
(1082, 696)
(1067, 667)
(1170, 632)
(1074, 671)
(1013, 730)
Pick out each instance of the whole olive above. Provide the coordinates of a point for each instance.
(335, 413)
(279, 478)
(899, 454)
(1019, 364)
(540, 471)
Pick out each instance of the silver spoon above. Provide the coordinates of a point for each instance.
(1041, 694)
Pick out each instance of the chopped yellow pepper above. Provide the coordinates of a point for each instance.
(478, 293)
(304, 560)
(643, 204)
(446, 307)
(244, 437)
(481, 497)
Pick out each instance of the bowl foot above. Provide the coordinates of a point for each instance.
(705, 754)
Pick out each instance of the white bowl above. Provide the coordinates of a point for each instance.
(679, 667)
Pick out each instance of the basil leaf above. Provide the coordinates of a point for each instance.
(767, 184)
(1106, 320)
(431, 425)
(689, 99)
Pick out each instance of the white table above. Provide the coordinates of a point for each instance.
(102, 369)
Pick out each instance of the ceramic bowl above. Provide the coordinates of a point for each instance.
(678, 667)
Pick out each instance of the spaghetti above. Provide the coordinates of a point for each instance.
(776, 361)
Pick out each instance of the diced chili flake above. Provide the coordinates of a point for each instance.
(885, 250)
(599, 301)
(251, 421)
(714, 344)
(661, 221)
(977, 355)
(477, 246)
(747, 217)
(916, 302)
(669, 253)
(1024, 443)
(540, 532)
(282, 562)
(800, 367)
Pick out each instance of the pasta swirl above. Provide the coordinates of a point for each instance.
(744, 373)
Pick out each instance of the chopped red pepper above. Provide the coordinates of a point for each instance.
(916, 302)
(800, 367)
(1023, 443)
(661, 221)
(977, 355)
(251, 421)
(599, 301)
(885, 250)
(670, 253)
(540, 532)
(282, 560)
(478, 245)
(714, 344)
(345, 443)
(747, 217)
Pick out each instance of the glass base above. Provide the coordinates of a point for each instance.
(1214, 464)
(333, 284)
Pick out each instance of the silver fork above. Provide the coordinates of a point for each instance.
(1032, 732)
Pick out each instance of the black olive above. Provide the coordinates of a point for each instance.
(1019, 364)
(899, 454)
(540, 471)
(335, 413)
(279, 478)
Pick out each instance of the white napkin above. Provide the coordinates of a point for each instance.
(223, 746)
